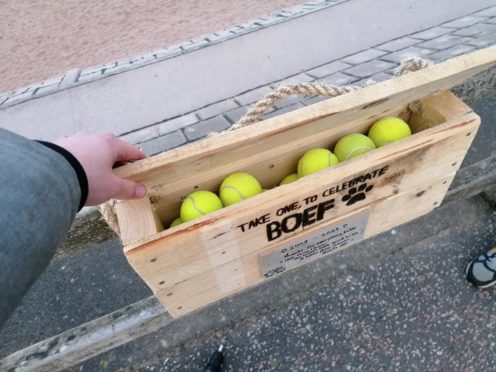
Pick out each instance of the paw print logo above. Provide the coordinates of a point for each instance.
(356, 194)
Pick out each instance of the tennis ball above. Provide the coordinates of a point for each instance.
(387, 130)
(353, 145)
(288, 179)
(176, 222)
(237, 187)
(199, 203)
(315, 160)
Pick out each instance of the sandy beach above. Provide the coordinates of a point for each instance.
(41, 39)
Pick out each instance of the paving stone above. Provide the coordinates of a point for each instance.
(85, 78)
(399, 56)
(489, 12)
(141, 135)
(177, 123)
(20, 98)
(167, 53)
(462, 22)
(478, 29)
(442, 42)
(217, 109)
(265, 21)
(118, 69)
(28, 89)
(369, 68)
(398, 44)
(238, 30)
(164, 143)
(338, 79)
(283, 110)
(195, 44)
(366, 55)
(381, 76)
(92, 70)
(328, 69)
(234, 115)
(431, 33)
(253, 95)
(46, 89)
(203, 128)
(300, 78)
(313, 100)
(451, 52)
(288, 101)
(70, 78)
(221, 35)
(484, 41)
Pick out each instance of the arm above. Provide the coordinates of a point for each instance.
(42, 186)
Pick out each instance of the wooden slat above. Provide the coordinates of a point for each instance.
(244, 272)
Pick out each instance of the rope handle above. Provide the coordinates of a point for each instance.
(255, 113)
(300, 89)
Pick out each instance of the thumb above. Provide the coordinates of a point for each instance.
(126, 189)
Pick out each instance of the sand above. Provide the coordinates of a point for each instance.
(40, 39)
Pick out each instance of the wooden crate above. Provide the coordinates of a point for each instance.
(239, 246)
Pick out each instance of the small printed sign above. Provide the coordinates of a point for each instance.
(318, 244)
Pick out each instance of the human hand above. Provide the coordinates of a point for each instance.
(97, 154)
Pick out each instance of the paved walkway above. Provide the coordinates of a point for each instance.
(170, 103)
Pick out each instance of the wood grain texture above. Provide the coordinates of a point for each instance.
(137, 219)
(244, 272)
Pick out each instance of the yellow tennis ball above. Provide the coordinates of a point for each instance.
(237, 187)
(387, 130)
(176, 222)
(199, 203)
(353, 145)
(288, 179)
(315, 160)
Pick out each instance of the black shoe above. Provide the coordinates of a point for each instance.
(481, 271)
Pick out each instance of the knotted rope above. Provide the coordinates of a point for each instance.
(316, 89)
(300, 89)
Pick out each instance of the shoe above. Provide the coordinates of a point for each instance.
(481, 271)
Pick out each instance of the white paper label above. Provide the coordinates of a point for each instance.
(316, 245)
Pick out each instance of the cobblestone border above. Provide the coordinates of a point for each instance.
(82, 76)
(459, 36)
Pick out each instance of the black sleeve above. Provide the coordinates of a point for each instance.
(78, 168)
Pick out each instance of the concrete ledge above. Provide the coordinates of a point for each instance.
(478, 87)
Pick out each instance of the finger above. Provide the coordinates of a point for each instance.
(125, 189)
(127, 152)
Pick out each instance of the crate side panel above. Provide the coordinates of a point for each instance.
(268, 218)
(245, 271)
